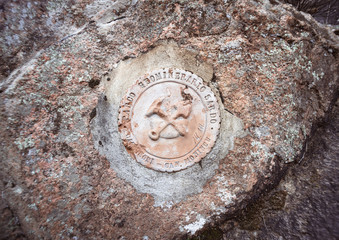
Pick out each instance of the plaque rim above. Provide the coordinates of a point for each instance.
(133, 94)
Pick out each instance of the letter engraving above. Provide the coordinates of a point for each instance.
(169, 119)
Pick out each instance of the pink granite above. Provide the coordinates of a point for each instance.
(275, 68)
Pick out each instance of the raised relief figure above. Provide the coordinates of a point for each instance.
(169, 120)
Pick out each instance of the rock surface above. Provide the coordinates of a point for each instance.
(164, 187)
(28, 26)
(305, 203)
(276, 69)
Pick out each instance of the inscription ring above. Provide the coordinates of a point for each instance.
(169, 119)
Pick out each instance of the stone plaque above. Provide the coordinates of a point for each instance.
(169, 120)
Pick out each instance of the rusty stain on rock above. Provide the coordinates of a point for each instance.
(169, 119)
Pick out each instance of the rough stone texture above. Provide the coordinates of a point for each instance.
(28, 26)
(9, 224)
(305, 204)
(276, 70)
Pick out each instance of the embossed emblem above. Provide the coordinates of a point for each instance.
(174, 117)
(169, 120)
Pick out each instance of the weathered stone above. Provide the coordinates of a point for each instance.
(304, 204)
(163, 187)
(274, 70)
(29, 26)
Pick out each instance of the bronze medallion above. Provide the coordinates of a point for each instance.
(169, 120)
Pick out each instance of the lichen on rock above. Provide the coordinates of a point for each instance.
(273, 68)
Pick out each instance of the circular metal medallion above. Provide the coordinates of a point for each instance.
(169, 120)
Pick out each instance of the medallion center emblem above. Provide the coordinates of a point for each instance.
(169, 120)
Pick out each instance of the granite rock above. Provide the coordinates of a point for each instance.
(275, 68)
(304, 205)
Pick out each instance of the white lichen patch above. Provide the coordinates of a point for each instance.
(217, 209)
(262, 150)
(33, 206)
(226, 196)
(262, 131)
(18, 190)
(23, 143)
(224, 190)
(192, 228)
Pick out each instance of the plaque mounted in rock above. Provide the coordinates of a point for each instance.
(169, 119)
